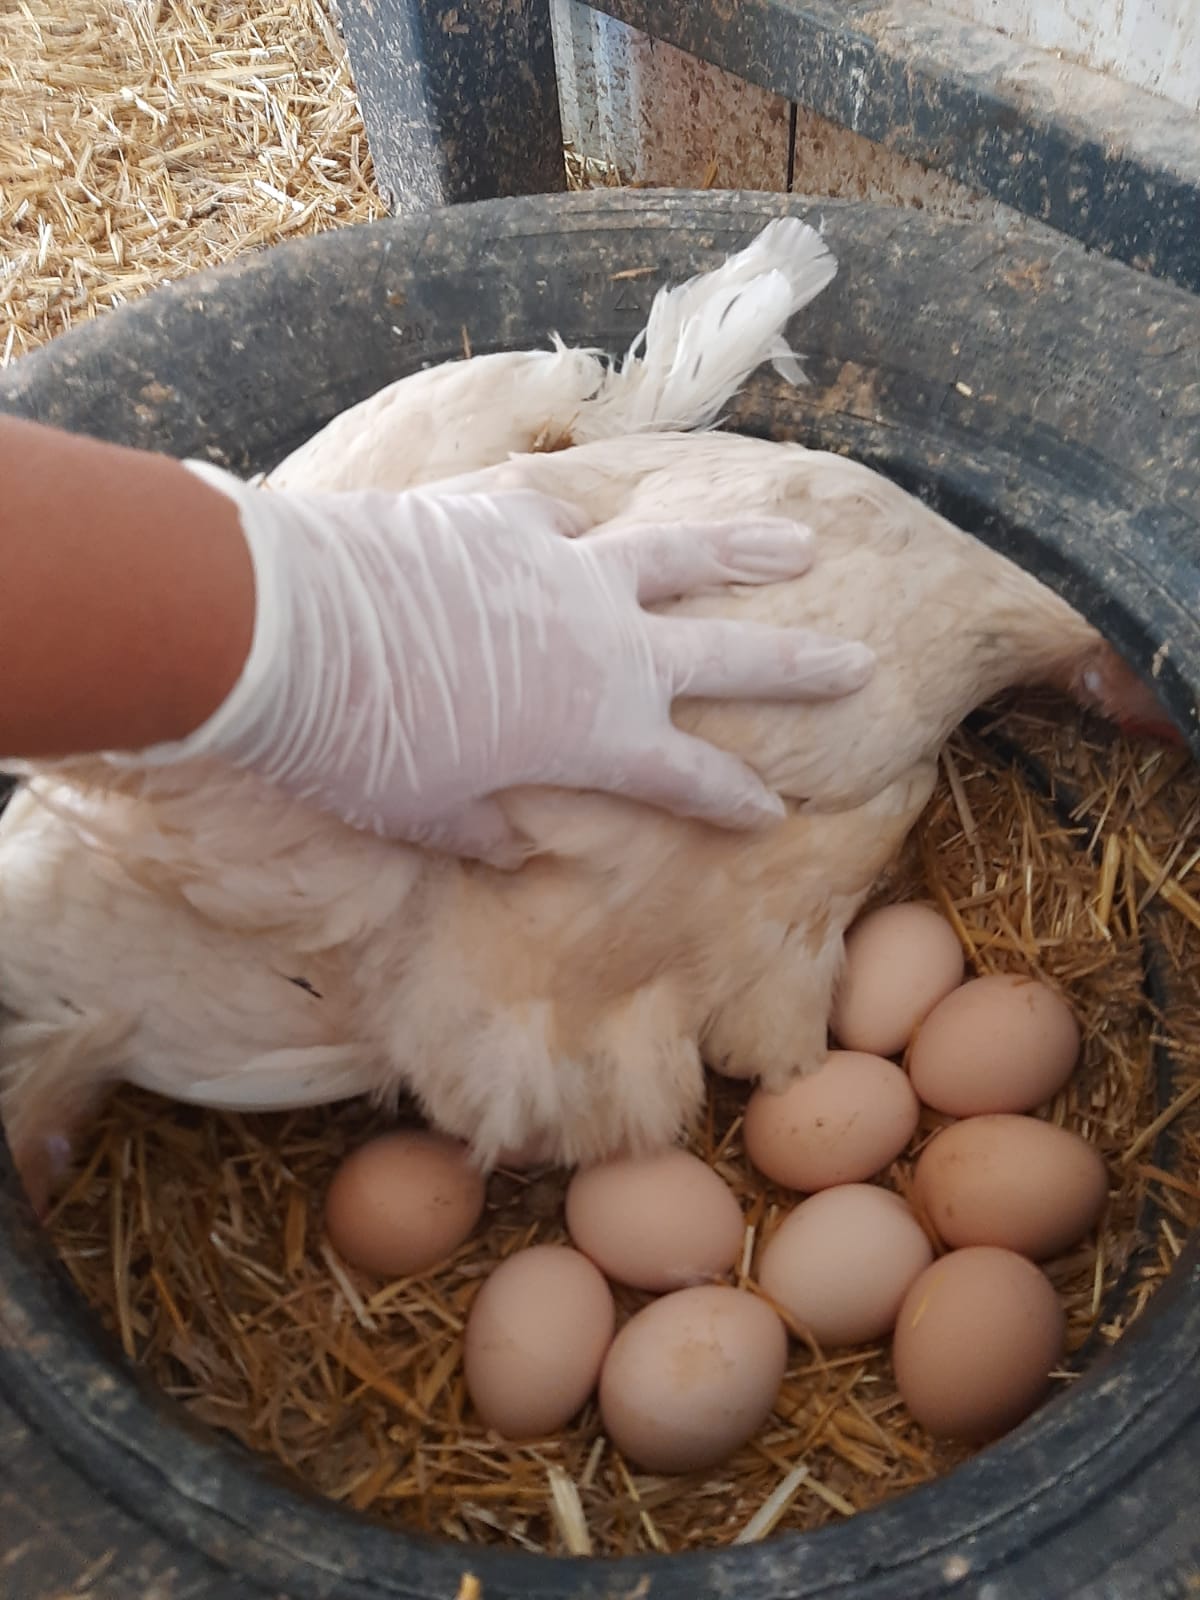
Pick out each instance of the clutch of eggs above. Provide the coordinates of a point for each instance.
(694, 1374)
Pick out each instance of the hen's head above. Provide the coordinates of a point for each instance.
(1104, 683)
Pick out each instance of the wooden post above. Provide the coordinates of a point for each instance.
(460, 101)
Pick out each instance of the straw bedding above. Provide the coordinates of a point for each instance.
(199, 1238)
(141, 140)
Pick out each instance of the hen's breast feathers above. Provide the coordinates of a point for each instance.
(120, 940)
(930, 601)
(195, 931)
(951, 622)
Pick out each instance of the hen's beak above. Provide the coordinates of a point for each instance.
(1157, 728)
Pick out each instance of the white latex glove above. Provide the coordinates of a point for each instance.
(416, 653)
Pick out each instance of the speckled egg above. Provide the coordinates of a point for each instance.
(1016, 1182)
(840, 1124)
(403, 1202)
(900, 961)
(977, 1338)
(1000, 1043)
(655, 1222)
(536, 1335)
(693, 1376)
(842, 1262)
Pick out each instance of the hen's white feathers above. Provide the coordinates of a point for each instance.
(705, 337)
(701, 342)
(195, 931)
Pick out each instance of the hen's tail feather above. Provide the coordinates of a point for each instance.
(704, 338)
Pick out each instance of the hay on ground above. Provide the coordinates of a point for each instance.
(144, 139)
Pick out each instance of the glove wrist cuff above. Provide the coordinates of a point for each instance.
(240, 726)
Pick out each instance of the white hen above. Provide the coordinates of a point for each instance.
(196, 932)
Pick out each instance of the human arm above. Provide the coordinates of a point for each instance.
(398, 659)
(127, 597)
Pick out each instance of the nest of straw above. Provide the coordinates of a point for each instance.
(142, 139)
(198, 1236)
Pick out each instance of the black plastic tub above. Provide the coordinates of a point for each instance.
(1049, 403)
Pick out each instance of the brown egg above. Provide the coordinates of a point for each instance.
(1001, 1043)
(655, 1222)
(842, 1262)
(1010, 1181)
(403, 1202)
(536, 1336)
(977, 1338)
(900, 961)
(841, 1124)
(691, 1378)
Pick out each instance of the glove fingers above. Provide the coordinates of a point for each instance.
(670, 559)
(480, 832)
(725, 660)
(694, 779)
(526, 506)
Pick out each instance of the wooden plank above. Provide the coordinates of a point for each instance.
(660, 116)
(1112, 166)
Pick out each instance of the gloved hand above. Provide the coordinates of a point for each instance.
(416, 653)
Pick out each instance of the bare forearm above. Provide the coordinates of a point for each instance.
(126, 596)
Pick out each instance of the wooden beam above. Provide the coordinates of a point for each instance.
(460, 101)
